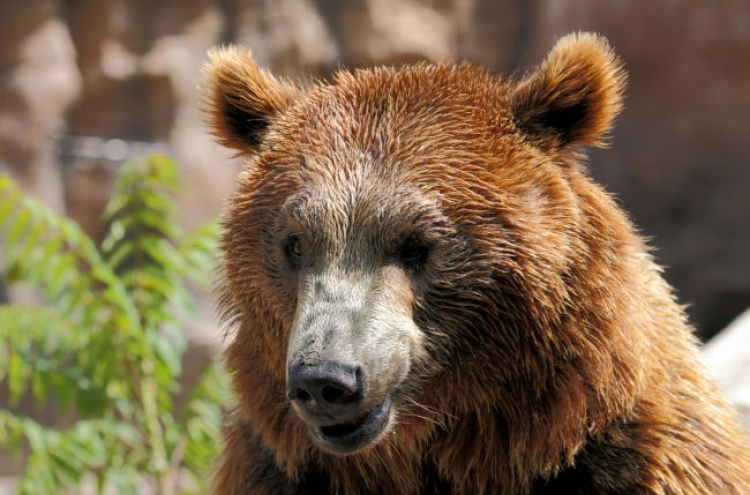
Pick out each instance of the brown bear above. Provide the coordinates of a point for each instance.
(431, 296)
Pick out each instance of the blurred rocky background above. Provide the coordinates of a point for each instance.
(86, 84)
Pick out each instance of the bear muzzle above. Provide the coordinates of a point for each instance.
(349, 351)
(329, 397)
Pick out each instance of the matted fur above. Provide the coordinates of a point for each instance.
(554, 356)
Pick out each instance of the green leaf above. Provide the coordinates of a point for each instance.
(160, 203)
(34, 232)
(36, 435)
(126, 434)
(61, 270)
(39, 477)
(117, 203)
(40, 385)
(120, 253)
(162, 252)
(78, 297)
(154, 220)
(169, 354)
(70, 232)
(9, 196)
(164, 171)
(115, 234)
(17, 230)
(52, 247)
(68, 468)
(16, 377)
(61, 385)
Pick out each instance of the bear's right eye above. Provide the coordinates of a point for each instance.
(293, 250)
(413, 253)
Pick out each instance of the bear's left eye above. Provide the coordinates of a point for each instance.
(413, 252)
(293, 250)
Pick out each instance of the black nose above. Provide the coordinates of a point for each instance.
(326, 392)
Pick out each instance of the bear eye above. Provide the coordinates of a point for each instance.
(413, 252)
(293, 250)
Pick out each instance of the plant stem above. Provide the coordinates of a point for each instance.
(170, 480)
(153, 425)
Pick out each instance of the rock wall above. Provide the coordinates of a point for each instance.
(85, 84)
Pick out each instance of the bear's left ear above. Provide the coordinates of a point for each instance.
(573, 96)
(241, 99)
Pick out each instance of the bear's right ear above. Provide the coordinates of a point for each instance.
(241, 99)
(573, 96)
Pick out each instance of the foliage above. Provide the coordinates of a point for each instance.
(107, 344)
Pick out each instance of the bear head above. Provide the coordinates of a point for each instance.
(411, 247)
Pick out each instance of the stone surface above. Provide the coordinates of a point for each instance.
(39, 80)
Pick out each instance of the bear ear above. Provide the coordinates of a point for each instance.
(573, 96)
(241, 99)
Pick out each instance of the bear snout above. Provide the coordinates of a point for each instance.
(330, 398)
(327, 392)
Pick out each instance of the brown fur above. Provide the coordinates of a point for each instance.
(552, 357)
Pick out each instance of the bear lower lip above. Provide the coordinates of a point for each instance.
(349, 437)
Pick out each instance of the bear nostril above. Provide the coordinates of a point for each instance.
(302, 395)
(338, 395)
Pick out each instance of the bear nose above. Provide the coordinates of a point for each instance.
(326, 392)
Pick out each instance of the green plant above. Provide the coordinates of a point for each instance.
(107, 343)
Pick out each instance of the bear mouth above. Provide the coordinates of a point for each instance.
(345, 438)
